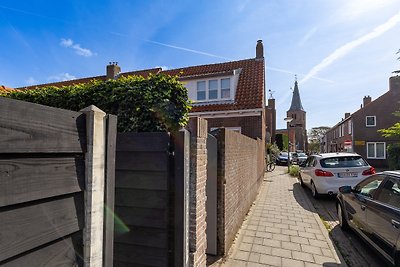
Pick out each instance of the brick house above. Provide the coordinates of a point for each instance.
(229, 94)
(358, 133)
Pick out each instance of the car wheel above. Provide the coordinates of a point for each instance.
(342, 217)
(314, 191)
(301, 181)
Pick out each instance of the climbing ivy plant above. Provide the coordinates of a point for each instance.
(154, 104)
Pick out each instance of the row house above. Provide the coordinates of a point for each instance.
(358, 132)
(228, 94)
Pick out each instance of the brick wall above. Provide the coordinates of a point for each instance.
(197, 192)
(240, 173)
(250, 126)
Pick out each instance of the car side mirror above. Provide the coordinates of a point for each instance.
(345, 189)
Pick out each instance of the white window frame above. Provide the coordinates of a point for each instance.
(375, 143)
(349, 127)
(366, 121)
(219, 89)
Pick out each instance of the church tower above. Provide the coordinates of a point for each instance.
(297, 127)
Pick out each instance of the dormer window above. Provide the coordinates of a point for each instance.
(201, 90)
(226, 88)
(214, 89)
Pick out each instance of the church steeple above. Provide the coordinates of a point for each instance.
(298, 124)
(296, 101)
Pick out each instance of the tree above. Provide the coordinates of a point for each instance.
(314, 137)
(393, 150)
(392, 131)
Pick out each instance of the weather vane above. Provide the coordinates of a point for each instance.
(270, 94)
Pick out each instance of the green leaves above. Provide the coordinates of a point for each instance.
(154, 104)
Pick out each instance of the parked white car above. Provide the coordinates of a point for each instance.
(325, 173)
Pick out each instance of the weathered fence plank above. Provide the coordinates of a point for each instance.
(149, 142)
(31, 226)
(63, 252)
(139, 256)
(141, 162)
(27, 179)
(142, 198)
(153, 218)
(32, 128)
(150, 180)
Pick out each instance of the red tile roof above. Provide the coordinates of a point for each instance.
(5, 89)
(249, 91)
(250, 88)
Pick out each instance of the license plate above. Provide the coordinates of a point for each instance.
(347, 174)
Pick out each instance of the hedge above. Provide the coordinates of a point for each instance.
(154, 104)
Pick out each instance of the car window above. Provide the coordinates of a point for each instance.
(343, 162)
(369, 186)
(390, 193)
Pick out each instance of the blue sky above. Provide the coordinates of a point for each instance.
(341, 50)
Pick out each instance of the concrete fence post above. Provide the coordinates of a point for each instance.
(94, 187)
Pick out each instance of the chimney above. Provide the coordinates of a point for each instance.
(394, 83)
(112, 70)
(259, 49)
(346, 115)
(366, 100)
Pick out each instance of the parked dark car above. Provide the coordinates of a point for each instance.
(282, 158)
(372, 209)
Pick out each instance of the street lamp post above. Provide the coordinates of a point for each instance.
(288, 120)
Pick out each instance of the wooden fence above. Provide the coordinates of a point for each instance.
(150, 199)
(51, 168)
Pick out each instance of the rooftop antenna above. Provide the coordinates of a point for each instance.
(295, 77)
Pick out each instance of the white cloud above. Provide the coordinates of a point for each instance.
(77, 47)
(31, 81)
(61, 77)
(348, 47)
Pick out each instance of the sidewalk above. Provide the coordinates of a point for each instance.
(282, 229)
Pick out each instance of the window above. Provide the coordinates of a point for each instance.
(390, 193)
(201, 90)
(343, 162)
(369, 186)
(370, 121)
(226, 88)
(212, 89)
(349, 126)
(376, 150)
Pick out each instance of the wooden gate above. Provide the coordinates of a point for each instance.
(151, 197)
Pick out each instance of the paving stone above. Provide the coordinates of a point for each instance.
(281, 252)
(248, 239)
(245, 246)
(261, 249)
(272, 243)
(300, 240)
(292, 263)
(311, 249)
(291, 246)
(281, 237)
(324, 260)
(307, 235)
(254, 257)
(303, 256)
(242, 255)
(271, 260)
(318, 243)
